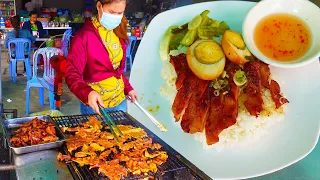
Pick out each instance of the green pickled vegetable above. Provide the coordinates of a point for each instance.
(206, 32)
(205, 18)
(210, 21)
(175, 42)
(165, 42)
(219, 32)
(195, 22)
(215, 24)
(222, 28)
(205, 13)
(191, 34)
(189, 38)
(250, 58)
(179, 29)
(223, 25)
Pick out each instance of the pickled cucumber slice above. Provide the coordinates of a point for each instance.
(195, 22)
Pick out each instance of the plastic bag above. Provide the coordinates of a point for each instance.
(52, 113)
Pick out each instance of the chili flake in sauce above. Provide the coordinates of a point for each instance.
(282, 37)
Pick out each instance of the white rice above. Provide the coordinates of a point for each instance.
(247, 129)
(168, 90)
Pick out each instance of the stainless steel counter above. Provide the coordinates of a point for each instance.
(41, 165)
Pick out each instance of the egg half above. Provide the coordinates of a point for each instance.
(206, 59)
(235, 48)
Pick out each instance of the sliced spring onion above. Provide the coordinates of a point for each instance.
(240, 78)
(216, 85)
(216, 93)
(211, 84)
(223, 83)
(224, 73)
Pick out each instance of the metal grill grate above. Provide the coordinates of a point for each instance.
(172, 164)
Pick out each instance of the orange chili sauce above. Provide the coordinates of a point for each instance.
(282, 37)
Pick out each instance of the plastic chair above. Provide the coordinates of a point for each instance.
(45, 80)
(129, 52)
(66, 41)
(19, 52)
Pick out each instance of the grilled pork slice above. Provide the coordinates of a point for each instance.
(254, 100)
(222, 114)
(183, 96)
(273, 86)
(223, 111)
(181, 67)
(230, 101)
(276, 94)
(212, 125)
(194, 117)
(265, 74)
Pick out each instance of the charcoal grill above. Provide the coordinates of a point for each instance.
(175, 161)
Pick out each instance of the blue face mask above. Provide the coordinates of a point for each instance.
(110, 21)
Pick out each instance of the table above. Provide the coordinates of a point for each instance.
(306, 169)
(54, 28)
(42, 39)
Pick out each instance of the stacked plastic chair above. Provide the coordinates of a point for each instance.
(19, 52)
(129, 52)
(45, 80)
(65, 41)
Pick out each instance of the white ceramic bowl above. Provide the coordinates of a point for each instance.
(304, 9)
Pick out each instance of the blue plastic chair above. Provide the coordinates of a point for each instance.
(19, 50)
(45, 80)
(66, 41)
(129, 52)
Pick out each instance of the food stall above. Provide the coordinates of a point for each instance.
(182, 148)
(46, 160)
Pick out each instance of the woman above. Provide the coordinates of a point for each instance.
(97, 59)
(18, 33)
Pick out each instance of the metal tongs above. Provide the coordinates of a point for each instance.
(110, 123)
(153, 119)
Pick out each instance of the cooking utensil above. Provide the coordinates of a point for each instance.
(153, 119)
(110, 122)
(11, 125)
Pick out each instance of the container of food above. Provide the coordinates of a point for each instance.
(11, 125)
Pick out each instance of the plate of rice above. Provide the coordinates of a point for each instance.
(215, 122)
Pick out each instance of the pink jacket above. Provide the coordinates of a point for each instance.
(88, 61)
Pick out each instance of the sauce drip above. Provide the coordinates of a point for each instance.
(282, 37)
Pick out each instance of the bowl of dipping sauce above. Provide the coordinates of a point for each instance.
(283, 33)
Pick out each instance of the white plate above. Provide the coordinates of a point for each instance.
(287, 142)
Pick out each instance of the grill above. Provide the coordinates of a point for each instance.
(174, 163)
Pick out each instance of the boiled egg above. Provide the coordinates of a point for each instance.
(206, 59)
(235, 48)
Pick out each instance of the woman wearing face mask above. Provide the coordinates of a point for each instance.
(97, 59)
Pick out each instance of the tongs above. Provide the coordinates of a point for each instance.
(153, 119)
(110, 123)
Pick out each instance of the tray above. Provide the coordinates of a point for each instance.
(11, 125)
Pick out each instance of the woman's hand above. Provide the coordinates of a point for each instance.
(134, 96)
(93, 99)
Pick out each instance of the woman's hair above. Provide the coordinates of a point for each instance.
(121, 30)
(15, 21)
